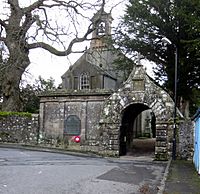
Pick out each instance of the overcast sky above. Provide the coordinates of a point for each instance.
(47, 65)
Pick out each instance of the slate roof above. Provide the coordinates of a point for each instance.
(83, 61)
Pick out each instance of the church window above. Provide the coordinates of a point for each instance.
(72, 125)
(84, 81)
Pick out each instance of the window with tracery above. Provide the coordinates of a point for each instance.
(84, 81)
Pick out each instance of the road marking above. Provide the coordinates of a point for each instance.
(25, 154)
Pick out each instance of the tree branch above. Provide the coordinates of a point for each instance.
(66, 52)
(57, 3)
(47, 47)
(2, 23)
(33, 6)
(14, 4)
(53, 50)
(29, 20)
(61, 53)
(2, 39)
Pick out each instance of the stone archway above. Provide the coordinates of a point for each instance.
(138, 89)
(137, 131)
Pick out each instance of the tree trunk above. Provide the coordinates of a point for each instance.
(11, 80)
(11, 93)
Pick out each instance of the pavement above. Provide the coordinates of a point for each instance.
(180, 176)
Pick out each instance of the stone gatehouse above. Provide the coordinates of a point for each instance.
(104, 119)
(100, 107)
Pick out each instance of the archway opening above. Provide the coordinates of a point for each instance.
(137, 131)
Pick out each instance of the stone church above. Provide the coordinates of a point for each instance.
(98, 108)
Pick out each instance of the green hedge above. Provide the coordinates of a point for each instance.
(24, 114)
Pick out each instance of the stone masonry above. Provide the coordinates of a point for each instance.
(101, 114)
(139, 88)
(19, 129)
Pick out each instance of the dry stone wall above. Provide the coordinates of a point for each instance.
(25, 130)
(19, 129)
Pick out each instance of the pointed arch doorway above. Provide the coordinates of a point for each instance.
(137, 130)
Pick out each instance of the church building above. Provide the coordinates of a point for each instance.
(96, 109)
(75, 109)
(95, 69)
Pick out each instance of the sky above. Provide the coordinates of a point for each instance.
(47, 65)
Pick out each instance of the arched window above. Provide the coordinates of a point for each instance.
(84, 81)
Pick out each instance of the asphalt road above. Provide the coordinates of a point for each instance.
(36, 172)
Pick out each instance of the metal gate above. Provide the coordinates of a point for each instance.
(196, 158)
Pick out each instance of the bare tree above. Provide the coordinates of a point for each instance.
(46, 24)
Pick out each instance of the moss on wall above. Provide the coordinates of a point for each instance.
(24, 114)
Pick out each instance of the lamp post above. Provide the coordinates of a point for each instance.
(166, 40)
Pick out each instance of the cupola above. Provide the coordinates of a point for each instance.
(102, 22)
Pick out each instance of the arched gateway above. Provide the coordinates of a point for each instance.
(120, 110)
(103, 109)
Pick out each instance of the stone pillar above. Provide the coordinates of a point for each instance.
(161, 146)
(109, 145)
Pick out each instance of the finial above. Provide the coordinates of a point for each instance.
(139, 59)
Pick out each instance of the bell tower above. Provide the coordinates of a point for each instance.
(102, 22)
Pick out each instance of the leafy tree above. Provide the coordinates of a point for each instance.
(29, 93)
(45, 85)
(144, 26)
(45, 24)
(30, 99)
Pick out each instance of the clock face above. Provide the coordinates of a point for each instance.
(101, 29)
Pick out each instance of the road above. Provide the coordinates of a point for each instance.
(35, 172)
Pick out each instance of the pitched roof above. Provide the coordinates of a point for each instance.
(84, 60)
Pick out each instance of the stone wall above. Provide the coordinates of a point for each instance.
(25, 130)
(105, 117)
(55, 110)
(21, 129)
(185, 139)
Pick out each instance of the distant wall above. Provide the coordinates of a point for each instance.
(186, 139)
(19, 129)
